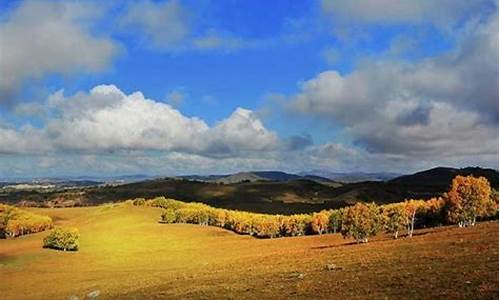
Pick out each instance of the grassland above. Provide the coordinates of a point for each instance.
(125, 254)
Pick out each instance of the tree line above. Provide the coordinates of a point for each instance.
(16, 222)
(468, 200)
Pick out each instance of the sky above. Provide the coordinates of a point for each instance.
(107, 88)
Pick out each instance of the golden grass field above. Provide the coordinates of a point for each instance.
(126, 254)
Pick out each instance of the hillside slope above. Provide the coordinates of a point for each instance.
(126, 254)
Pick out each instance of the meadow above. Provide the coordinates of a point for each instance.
(125, 253)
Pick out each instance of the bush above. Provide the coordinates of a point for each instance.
(62, 238)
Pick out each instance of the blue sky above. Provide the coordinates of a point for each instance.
(371, 85)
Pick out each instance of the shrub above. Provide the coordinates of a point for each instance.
(361, 221)
(62, 238)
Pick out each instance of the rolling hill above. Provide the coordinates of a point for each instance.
(271, 192)
(126, 254)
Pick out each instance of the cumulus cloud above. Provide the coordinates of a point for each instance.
(106, 119)
(38, 38)
(443, 106)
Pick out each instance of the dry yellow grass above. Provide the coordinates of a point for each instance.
(125, 254)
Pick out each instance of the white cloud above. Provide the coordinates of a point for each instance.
(106, 119)
(242, 131)
(442, 13)
(176, 97)
(165, 24)
(38, 38)
(440, 108)
(213, 40)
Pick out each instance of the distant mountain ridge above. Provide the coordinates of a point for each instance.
(352, 177)
(444, 176)
(254, 176)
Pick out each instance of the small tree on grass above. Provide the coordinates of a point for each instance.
(62, 238)
(394, 218)
(361, 221)
(295, 225)
(492, 207)
(468, 198)
(335, 220)
(168, 216)
(319, 222)
(412, 208)
(266, 226)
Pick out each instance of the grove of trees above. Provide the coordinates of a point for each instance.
(16, 222)
(469, 199)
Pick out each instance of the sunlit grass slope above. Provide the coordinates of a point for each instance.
(125, 253)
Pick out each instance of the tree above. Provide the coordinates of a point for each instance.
(295, 225)
(335, 220)
(468, 199)
(412, 207)
(168, 216)
(492, 206)
(62, 238)
(361, 221)
(434, 212)
(266, 226)
(394, 218)
(319, 222)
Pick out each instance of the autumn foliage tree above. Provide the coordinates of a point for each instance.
(361, 221)
(16, 222)
(319, 222)
(412, 207)
(335, 220)
(394, 218)
(468, 198)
